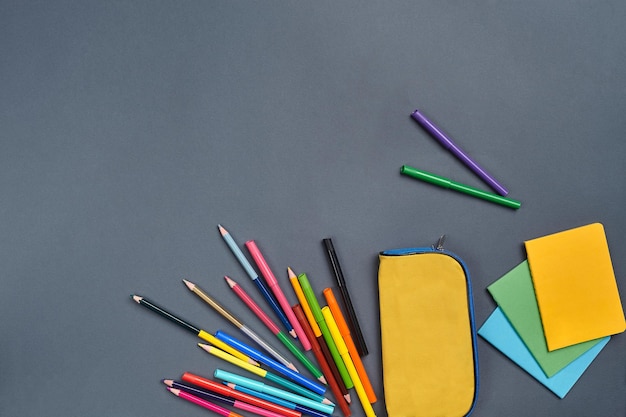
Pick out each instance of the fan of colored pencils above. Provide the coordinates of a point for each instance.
(279, 388)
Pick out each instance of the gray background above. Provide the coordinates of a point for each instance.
(129, 130)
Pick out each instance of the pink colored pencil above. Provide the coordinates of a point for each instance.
(272, 282)
(252, 305)
(189, 389)
(280, 335)
(203, 403)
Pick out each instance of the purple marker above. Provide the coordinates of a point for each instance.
(447, 143)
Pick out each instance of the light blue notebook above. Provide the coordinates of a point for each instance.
(498, 331)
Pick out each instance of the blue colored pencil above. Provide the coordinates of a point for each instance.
(260, 386)
(278, 367)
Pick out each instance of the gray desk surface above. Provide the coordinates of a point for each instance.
(129, 130)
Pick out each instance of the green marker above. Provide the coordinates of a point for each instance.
(319, 318)
(462, 188)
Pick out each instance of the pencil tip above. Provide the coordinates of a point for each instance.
(168, 382)
(327, 401)
(322, 380)
(230, 282)
(293, 334)
(290, 272)
(174, 391)
(205, 346)
(230, 385)
(348, 399)
(189, 284)
(136, 298)
(222, 230)
(292, 367)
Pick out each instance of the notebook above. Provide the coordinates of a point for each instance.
(515, 296)
(499, 332)
(575, 286)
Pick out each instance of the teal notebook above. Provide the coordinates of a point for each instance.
(515, 295)
(499, 332)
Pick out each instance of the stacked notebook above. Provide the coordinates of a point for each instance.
(558, 308)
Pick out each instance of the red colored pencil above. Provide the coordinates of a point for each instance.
(229, 392)
(321, 360)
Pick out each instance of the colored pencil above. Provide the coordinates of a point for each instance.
(258, 371)
(312, 324)
(211, 396)
(271, 280)
(265, 360)
(280, 393)
(203, 403)
(255, 278)
(319, 318)
(344, 330)
(279, 401)
(345, 355)
(280, 335)
(238, 324)
(331, 377)
(345, 296)
(216, 387)
(204, 335)
(297, 289)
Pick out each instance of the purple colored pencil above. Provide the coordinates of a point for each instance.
(447, 143)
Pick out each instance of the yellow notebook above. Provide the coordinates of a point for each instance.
(575, 286)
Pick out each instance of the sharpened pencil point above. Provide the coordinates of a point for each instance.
(168, 382)
(290, 273)
(174, 391)
(327, 401)
(230, 282)
(189, 284)
(136, 298)
(223, 231)
(293, 334)
(348, 399)
(322, 380)
(205, 346)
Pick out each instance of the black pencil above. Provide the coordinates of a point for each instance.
(345, 295)
(204, 335)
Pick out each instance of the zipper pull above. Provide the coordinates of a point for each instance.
(439, 244)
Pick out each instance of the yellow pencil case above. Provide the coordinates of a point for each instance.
(430, 361)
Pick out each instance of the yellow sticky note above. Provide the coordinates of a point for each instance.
(575, 286)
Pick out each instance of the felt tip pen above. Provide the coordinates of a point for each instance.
(232, 245)
(288, 404)
(272, 282)
(319, 318)
(447, 143)
(456, 186)
(267, 389)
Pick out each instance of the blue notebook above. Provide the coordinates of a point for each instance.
(498, 331)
